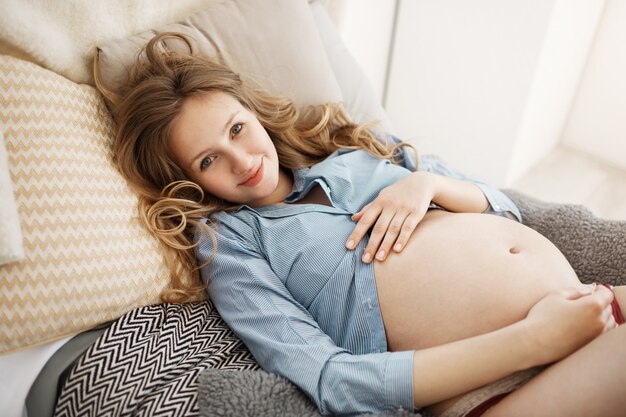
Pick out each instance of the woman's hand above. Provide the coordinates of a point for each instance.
(394, 215)
(564, 321)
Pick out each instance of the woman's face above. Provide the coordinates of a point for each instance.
(222, 147)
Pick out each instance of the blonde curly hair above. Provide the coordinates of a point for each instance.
(173, 207)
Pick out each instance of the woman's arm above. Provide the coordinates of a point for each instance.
(499, 203)
(445, 371)
(456, 195)
(555, 327)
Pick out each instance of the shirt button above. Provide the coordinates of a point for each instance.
(497, 207)
(369, 303)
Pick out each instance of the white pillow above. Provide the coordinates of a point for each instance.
(61, 36)
(11, 249)
(358, 94)
(274, 42)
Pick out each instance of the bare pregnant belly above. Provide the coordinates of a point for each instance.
(464, 274)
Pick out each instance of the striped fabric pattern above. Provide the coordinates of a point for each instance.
(147, 363)
(88, 260)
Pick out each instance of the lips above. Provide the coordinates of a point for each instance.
(255, 178)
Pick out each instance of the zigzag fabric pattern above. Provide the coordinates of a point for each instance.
(88, 259)
(147, 363)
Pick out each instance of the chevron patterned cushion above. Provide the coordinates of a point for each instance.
(87, 259)
(147, 363)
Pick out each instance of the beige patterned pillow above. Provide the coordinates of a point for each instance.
(11, 249)
(88, 260)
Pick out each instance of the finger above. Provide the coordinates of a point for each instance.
(604, 295)
(393, 231)
(589, 288)
(606, 313)
(379, 231)
(409, 225)
(574, 293)
(356, 216)
(362, 226)
(608, 319)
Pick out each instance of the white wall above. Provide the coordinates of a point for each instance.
(560, 66)
(473, 80)
(366, 27)
(597, 121)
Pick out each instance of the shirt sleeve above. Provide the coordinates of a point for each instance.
(285, 339)
(499, 203)
(405, 157)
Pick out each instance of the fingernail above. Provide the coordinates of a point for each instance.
(380, 255)
(397, 247)
(350, 244)
(367, 257)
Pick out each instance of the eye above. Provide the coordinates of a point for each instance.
(236, 129)
(205, 162)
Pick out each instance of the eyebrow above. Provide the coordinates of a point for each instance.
(204, 151)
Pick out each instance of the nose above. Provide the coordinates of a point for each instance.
(241, 161)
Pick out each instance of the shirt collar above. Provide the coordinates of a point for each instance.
(299, 181)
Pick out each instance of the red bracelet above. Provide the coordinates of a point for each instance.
(617, 312)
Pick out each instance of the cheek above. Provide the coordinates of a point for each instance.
(261, 135)
(270, 148)
(209, 183)
(215, 186)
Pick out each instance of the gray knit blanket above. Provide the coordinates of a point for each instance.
(596, 249)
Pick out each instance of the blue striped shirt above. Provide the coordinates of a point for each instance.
(306, 306)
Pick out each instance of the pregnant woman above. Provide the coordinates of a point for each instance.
(369, 284)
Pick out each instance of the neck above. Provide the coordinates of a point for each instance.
(282, 190)
(285, 184)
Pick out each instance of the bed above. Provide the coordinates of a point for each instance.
(82, 330)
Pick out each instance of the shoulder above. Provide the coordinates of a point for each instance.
(356, 157)
(433, 163)
(235, 231)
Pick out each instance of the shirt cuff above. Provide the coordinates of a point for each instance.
(499, 203)
(399, 380)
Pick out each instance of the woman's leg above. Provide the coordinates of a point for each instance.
(589, 382)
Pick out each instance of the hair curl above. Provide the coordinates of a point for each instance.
(170, 205)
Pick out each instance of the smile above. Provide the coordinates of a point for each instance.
(256, 177)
